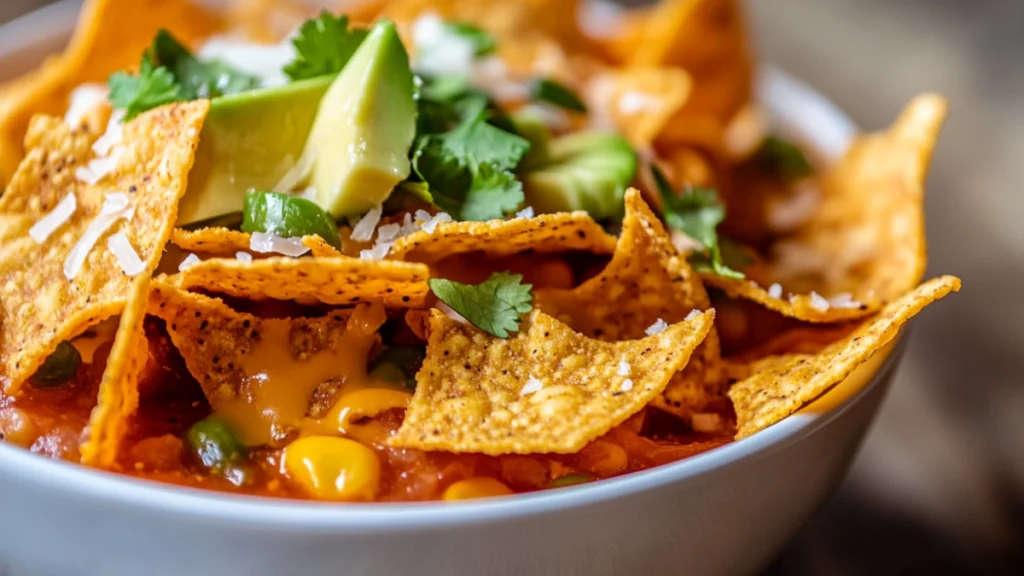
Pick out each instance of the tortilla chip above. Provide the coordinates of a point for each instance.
(226, 242)
(119, 392)
(639, 101)
(547, 233)
(111, 35)
(272, 20)
(470, 391)
(707, 38)
(335, 281)
(646, 280)
(39, 306)
(866, 239)
(780, 385)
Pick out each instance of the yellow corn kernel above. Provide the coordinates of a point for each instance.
(480, 487)
(333, 468)
(366, 403)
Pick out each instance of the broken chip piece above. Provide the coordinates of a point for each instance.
(545, 389)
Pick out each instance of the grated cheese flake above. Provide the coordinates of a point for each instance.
(56, 218)
(243, 256)
(189, 261)
(363, 230)
(378, 252)
(627, 385)
(532, 385)
(265, 242)
(526, 213)
(775, 290)
(113, 209)
(658, 327)
(127, 258)
(84, 99)
(624, 368)
(818, 302)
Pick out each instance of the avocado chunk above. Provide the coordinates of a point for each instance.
(249, 140)
(358, 149)
(584, 171)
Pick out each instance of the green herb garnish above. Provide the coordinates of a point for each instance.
(696, 212)
(150, 88)
(483, 42)
(323, 45)
(784, 158)
(547, 90)
(59, 367)
(494, 306)
(288, 217)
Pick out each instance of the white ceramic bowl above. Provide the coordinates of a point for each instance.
(728, 511)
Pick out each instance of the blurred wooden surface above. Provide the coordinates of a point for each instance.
(939, 485)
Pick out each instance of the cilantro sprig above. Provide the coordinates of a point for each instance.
(468, 170)
(483, 42)
(494, 306)
(552, 92)
(169, 72)
(323, 45)
(696, 212)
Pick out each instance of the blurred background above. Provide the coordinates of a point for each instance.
(938, 487)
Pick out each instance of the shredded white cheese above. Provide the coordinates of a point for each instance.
(627, 385)
(127, 258)
(378, 252)
(431, 223)
(243, 256)
(389, 232)
(775, 290)
(532, 385)
(624, 368)
(266, 242)
(634, 102)
(84, 99)
(525, 213)
(98, 168)
(844, 300)
(56, 218)
(450, 312)
(189, 261)
(693, 314)
(113, 136)
(440, 52)
(818, 302)
(657, 328)
(363, 230)
(796, 209)
(264, 61)
(115, 207)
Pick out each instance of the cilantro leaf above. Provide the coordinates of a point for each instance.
(197, 78)
(547, 90)
(151, 87)
(783, 158)
(483, 42)
(494, 305)
(696, 212)
(323, 46)
(468, 169)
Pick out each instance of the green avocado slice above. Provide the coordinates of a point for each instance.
(584, 171)
(249, 140)
(358, 149)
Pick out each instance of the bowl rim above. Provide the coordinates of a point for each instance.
(796, 109)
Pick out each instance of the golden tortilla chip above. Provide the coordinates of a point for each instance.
(646, 280)
(272, 20)
(226, 242)
(780, 385)
(865, 244)
(707, 38)
(544, 389)
(264, 374)
(335, 281)
(640, 101)
(119, 392)
(111, 35)
(40, 307)
(547, 233)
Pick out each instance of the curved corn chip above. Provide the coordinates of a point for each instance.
(335, 281)
(40, 306)
(111, 35)
(639, 101)
(544, 389)
(119, 393)
(226, 242)
(562, 232)
(779, 385)
(645, 281)
(707, 38)
(265, 374)
(866, 239)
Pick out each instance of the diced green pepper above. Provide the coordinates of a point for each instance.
(215, 445)
(571, 480)
(398, 364)
(59, 367)
(546, 90)
(288, 217)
